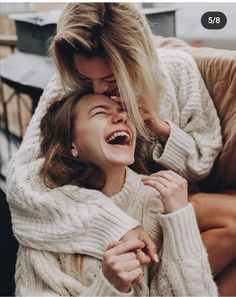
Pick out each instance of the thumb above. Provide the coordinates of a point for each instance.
(150, 247)
(113, 244)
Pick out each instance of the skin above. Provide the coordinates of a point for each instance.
(96, 72)
(97, 118)
(218, 230)
(171, 186)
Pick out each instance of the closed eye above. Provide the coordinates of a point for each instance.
(85, 80)
(82, 77)
(111, 81)
(101, 112)
(99, 109)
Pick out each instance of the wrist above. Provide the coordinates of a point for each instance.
(161, 129)
(172, 207)
(164, 132)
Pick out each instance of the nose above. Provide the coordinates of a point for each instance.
(100, 86)
(120, 117)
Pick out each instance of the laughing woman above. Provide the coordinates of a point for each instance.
(88, 141)
(109, 48)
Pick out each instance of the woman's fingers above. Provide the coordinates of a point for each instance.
(113, 244)
(156, 185)
(150, 249)
(168, 179)
(172, 187)
(127, 256)
(134, 275)
(149, 252)
(159, 180)
(142, 257)
(172, 173)
(125, 247)
(120, 265)
(124, 265)
(167, 174)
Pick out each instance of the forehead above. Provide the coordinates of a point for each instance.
(92, 67)
(92, 100)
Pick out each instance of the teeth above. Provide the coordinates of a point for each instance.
(116, 134)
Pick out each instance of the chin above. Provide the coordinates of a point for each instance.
(122, 161)
(119, 156)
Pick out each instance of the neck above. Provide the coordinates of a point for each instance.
(115, 179)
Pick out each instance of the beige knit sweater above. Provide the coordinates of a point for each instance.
(183, 268)
(69, 219)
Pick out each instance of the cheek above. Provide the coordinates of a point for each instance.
(87, 143)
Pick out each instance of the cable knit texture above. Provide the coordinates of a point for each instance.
(183, 269)
(74, 220)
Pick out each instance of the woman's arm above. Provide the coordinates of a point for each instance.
(184, 269)
(194, 139)
(42, 273)
(54, 220)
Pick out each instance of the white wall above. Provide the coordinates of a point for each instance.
(188, 19)
(6, 8)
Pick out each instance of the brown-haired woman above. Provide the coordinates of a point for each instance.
(89, 141)
(109, 47)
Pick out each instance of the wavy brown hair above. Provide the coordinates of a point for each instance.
(60, 167)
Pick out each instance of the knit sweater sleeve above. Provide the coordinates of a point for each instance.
(55, 220)
(39, 273)
(195, 139)
(184, 269)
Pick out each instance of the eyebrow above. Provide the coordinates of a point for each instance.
(100, 106)
(105, 77)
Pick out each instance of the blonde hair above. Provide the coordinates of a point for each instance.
(119, 33)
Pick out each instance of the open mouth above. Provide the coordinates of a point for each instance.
(119, 137)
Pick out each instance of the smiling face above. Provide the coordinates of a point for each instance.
(103, 134)
(95, 71)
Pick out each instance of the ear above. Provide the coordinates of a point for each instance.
(74, 151)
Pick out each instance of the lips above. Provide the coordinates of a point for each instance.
(121, 137)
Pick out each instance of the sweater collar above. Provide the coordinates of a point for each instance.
(131, 185)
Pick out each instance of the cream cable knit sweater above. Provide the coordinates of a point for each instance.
(183, 268)
(68, 219)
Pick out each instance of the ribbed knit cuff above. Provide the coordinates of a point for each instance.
(102, 287)
(181, 235)
(177, 147)
(110, 225)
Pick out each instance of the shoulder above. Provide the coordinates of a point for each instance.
(174, 58)
(150, 196)
(144, 191)
(54, 87)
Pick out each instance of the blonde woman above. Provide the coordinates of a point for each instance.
(88, 141)
(108, 47)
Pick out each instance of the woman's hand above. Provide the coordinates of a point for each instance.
(120, 265)
(172, 187)
(149, 252)
(154, 123)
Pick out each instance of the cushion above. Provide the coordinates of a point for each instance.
(218, 69)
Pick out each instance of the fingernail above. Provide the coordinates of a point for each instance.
(156, 258)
